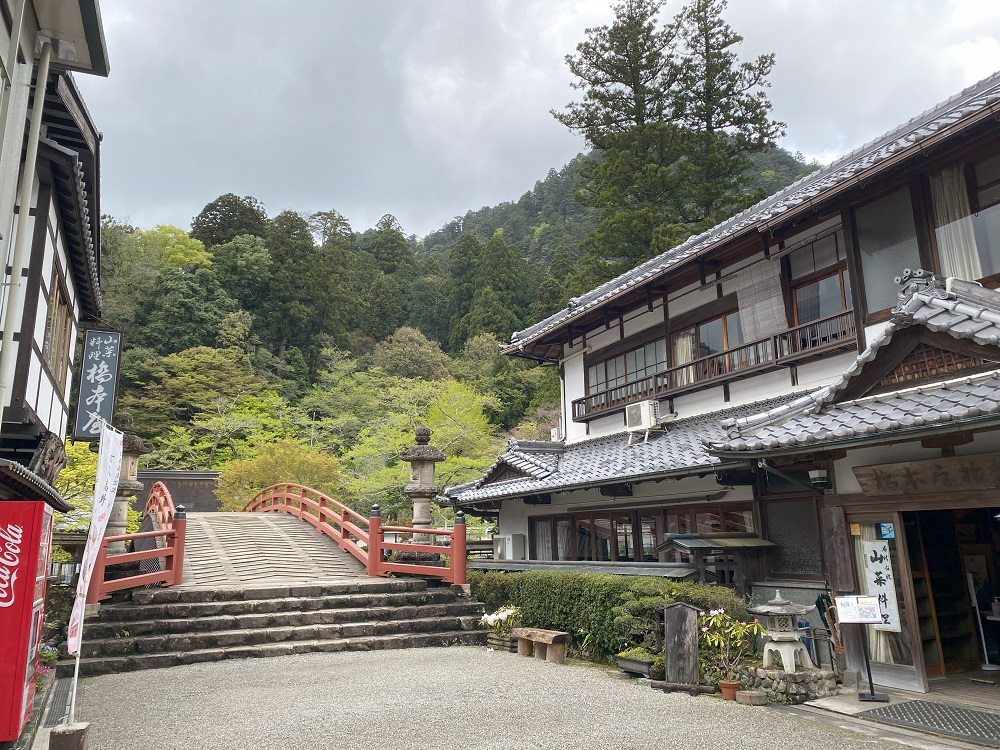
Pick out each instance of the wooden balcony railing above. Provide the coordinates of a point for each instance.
(365, 538)
(801, 342)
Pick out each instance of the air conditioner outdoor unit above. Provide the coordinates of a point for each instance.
(642, 416)
(510, 547)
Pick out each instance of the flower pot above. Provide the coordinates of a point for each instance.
(729, 688)
(633, 666)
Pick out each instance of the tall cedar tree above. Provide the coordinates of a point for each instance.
(672, 112)
(227, 217)
(723, 102)
(289, 313)
(462, 264)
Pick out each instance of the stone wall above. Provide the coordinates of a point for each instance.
(790, 687)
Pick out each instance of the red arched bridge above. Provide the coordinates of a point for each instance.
(209, 549)
(297, 571)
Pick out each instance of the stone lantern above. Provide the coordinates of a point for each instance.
(421, 488)
(781, 619)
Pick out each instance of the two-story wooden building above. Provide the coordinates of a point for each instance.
(50, 222)
(761, 404)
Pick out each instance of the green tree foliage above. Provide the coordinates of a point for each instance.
(388, 245)
(128, 272)
(373, 471)
(383, 308)
(285, 460)
(186, 383)
(674, 114)
(228, 217)
(409, 354)
(242, 267)
(462, 268)
(184, 310)
(174, 247)
(488, 314)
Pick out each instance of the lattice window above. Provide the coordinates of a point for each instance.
(930, 363)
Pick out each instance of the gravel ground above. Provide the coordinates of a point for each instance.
(458, 697)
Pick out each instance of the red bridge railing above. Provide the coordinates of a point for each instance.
(365, 538)
(173, 527)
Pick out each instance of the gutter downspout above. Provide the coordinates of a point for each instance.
(15, 294)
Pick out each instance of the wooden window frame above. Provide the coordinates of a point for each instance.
(621, 349)
(57, 359)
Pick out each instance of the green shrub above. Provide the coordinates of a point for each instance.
(604, 613)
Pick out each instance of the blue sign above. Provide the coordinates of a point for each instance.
(886, 531)
(95, 400)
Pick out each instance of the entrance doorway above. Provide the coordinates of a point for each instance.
(944, 548)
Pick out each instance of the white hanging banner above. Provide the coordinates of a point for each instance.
(109, 464)
(880, 582)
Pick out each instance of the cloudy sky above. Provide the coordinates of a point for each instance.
(428, 108)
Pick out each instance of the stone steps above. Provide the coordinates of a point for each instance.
(110, 664)
(165, 627)
(158, 644)
(124, 613)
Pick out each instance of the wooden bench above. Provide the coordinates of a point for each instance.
(549, 645)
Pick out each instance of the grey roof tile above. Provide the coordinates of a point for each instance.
(812, 187)
(678, 448)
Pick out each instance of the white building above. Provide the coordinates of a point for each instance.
(49, 226)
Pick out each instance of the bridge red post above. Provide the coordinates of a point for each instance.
(458, 550)
(374, 542)
(97, 577)
(176, 563)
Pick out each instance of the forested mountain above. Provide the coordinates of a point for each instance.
(294, 347)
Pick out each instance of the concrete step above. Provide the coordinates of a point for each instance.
(110, 664)
(285, 618)
(213, 639)
(124, 613)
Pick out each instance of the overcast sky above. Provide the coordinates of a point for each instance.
(428, 108)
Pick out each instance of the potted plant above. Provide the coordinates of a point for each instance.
(636, 660)
(728, 642)
(501, 623)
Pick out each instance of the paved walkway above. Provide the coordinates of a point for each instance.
(235, 549)
(447, 698)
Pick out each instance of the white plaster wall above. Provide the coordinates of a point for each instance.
(700, 402)
(688, 299)
(600, 338)
(873, 331)
(824, 371)
(573, 388)
(513, 518)
(40, 317)
(644, 320)
(607, 425)
(34, 375)
(982, 442)
(760, 387)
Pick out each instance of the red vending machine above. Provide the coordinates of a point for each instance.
(25, 538)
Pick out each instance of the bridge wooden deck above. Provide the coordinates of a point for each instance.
(242, 549)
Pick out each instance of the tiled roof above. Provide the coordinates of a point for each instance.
(821, 184)
(962, 309)
(677, 449)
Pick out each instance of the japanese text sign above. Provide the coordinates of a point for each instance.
(880, 583)
(858, 609)
(98, 383)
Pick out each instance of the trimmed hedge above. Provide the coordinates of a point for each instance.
(605, 613)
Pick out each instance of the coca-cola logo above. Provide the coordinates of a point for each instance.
(10, 559)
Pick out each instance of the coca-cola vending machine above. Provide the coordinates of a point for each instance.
(25, 538)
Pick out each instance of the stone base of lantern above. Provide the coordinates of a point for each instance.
(790, 651)
(791, 687)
